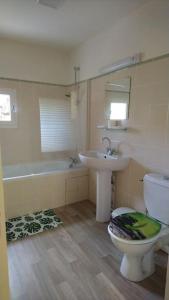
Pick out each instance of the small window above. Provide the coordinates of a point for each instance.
(57, 132)
(7, 108)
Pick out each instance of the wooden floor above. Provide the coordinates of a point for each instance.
(77, 261)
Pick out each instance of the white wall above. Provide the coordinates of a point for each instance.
(146, 31)
(31, 62)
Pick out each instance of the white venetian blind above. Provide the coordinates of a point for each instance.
(56, 125)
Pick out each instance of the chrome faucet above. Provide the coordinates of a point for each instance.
(108, 149)
(73, 162)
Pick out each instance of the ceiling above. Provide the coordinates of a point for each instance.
(73, 22)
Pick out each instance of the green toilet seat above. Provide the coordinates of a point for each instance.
(134, 226)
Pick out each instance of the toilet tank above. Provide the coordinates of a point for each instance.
(156, 196)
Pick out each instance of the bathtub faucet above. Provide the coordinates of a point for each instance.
(73, 162)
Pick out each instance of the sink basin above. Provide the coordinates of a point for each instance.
(104, 165)
(101, 161)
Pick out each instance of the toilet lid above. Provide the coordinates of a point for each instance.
(134, 226)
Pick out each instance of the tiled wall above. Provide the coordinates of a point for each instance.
(22, 144)
(147, 139)
(81, 120)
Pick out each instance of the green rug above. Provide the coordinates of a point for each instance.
(30, 224)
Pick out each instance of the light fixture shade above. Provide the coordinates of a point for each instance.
(122, 63)
(51, 3)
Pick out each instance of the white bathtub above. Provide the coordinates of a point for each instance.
(40, 185)
(20, 171)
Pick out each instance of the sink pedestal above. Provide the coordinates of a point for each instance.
(104, 194)
(104, 164)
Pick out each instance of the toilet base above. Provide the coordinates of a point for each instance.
(137, 268)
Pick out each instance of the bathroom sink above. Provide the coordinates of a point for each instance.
(101, 161)
(104, 165)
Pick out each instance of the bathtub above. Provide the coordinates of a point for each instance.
(41, 185)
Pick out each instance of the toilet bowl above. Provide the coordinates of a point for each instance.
(138, 255)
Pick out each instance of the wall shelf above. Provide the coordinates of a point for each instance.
(112, 128)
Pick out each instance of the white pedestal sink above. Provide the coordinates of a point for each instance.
(104, 164)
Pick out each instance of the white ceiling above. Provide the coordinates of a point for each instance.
(72, 23)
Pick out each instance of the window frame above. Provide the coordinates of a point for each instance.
(13, 106)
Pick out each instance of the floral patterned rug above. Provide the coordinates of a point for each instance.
(30, 224)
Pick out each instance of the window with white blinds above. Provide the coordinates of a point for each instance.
(56, 125)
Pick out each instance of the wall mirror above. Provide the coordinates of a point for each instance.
(117, 98)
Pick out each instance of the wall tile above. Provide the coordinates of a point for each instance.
(147, 139)
(22, 144)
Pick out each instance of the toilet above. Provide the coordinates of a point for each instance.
(138, 255)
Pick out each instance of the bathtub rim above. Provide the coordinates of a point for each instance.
(47, 173)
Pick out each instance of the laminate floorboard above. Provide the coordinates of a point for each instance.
(76, 261)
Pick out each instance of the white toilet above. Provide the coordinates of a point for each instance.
(138, 258)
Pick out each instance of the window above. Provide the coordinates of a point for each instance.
(56, 125)
(7, 108)
(118, 111)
